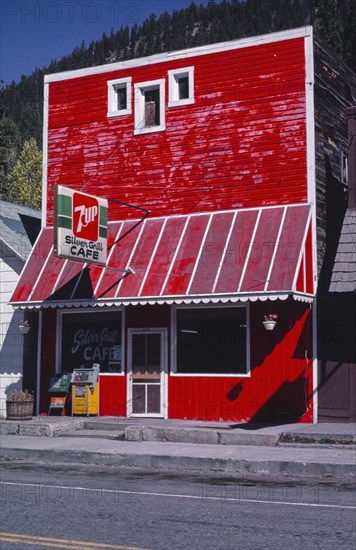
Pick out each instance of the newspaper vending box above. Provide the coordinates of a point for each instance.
(58, 388)
(85, 391)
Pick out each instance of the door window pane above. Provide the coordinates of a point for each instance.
(146, 353)
(138, 353)
(153, 353)
(153, 398)
(138, 398)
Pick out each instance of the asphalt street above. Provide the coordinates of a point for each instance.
(67, 506)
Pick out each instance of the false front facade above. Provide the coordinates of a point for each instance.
(207, 160)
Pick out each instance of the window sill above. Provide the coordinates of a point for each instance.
(114, 114)
(149, 130)
(181, 102)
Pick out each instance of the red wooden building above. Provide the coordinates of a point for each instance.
(218, 143)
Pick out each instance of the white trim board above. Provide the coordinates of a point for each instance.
(45, 154)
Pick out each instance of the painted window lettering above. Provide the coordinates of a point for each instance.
(92, 338)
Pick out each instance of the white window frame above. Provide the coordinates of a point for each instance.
(140, 89)
(174, 100)
(112, 98)
(173, 354)
(59, 324)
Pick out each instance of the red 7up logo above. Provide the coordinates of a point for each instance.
(85, 217)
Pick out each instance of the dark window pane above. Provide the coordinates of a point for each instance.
(211, 341)
(121, 93)
(152, 108)
(183, 87)
(154, 353)
(138, 353)
(89, 338)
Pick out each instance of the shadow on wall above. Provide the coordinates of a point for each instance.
(335, 208)
(263, 342)
(11, 358)
(8, 383)
(287, 405)
(291, 401)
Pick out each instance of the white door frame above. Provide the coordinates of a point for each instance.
(164, 370)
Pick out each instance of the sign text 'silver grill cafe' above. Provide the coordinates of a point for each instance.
(80, 226)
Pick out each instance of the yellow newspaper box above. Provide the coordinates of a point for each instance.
(85, 391)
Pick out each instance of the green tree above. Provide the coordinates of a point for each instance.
(9, 149)
(26, 176)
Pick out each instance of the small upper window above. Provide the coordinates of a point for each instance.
(149, 107)
(181, 86)
(119, 97)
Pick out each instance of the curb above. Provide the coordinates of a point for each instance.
(187, 463)
(48, 429)
(196, 436)
(320, 439)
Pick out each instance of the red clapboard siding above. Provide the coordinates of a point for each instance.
(242, 143)
(280, 385)
(112, 395)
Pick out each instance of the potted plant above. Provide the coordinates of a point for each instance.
(19, 405)
(24, 327)
(270, 321)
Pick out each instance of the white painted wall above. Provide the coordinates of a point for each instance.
(11, 341)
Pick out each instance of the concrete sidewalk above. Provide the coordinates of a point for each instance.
(190, 446)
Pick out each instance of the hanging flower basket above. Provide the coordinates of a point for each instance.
(24, 327)
(270, 321)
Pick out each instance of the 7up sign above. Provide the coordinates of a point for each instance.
(80, 226)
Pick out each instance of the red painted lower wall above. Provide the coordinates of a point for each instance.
(112, 395)
(278, 390)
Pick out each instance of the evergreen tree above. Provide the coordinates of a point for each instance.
(328, 23)
(348, 15)
(26, 176)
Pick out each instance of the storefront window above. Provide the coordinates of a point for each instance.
(89, 338)
(211, 341)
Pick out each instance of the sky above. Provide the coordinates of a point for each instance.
(33, 32)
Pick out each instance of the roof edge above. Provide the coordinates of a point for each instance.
(299, 32)
(167, 300)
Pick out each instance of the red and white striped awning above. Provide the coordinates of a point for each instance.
(237, 255)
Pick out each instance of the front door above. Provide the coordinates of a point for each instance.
(146, 372)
